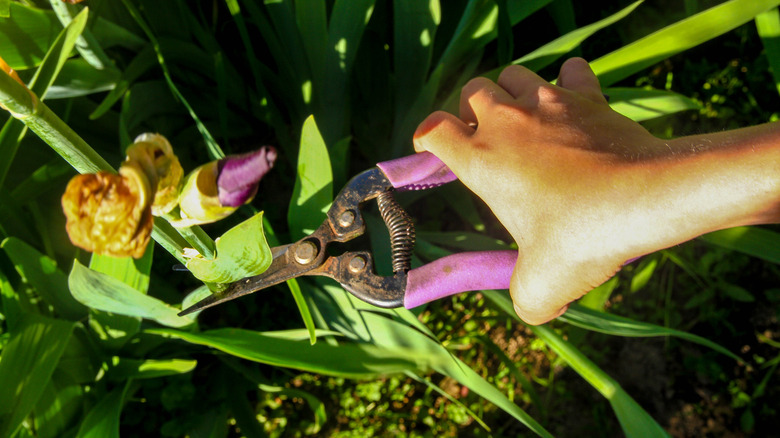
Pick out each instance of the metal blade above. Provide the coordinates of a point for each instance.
(280, 270)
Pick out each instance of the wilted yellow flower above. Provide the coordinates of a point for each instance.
(110, 214)
(155, 155)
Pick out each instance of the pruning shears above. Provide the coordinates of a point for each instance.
(462, 272)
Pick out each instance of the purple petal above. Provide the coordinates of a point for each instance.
(238, 175)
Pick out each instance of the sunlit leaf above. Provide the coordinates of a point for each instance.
(103, 292)
(43, 274)
(768, 27)
(313, 190)
(122, 369)
(677, 37)
(28, 361)
(639, 104)
(241, 252)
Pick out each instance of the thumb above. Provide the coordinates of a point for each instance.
(445, 136)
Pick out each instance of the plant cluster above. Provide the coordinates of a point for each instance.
(92, 345)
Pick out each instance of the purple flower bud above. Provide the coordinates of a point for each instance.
(239, 175)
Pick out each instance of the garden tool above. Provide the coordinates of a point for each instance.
(354, 270)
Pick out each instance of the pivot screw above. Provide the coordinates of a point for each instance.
(305, 252)
(346, 218)
(357, 264)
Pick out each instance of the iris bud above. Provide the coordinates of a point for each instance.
(215, 190)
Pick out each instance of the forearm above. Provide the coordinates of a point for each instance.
(716, 181)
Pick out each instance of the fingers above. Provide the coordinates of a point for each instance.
(520, 82)
(576, 75)
(445, 136)
(478, 96)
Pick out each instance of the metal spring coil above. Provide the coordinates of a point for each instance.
(401, 229)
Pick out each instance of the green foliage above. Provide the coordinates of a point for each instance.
(241, 252)
(339, 86)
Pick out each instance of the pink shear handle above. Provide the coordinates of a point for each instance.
(417, 172)
(468, 271)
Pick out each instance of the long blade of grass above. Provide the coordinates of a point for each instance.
(42, 273)
(676, 38)
(427, 382)
(753, 241)
(103, 292)
(47, 72)
(634, 420)
(621, 326)
(28, 361)
(87, 44)
(414, 29)
(546, 54)
(215, 152)
(768, 27)
(142, 63)
(78, 78)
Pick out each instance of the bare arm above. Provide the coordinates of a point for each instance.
(582, 189)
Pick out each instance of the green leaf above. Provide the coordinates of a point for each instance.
(43, 274)
(59, 407)
(597, 298)
(103, 292)
(313, 190)
(28, 361)
(676, 38)
(143, 62)
(768, 27)
(26, 35)
(736, 293)
(548, 53)
(643, 273)
(346, 360)
(103, 420)
(115, 330)
(640, 104)
(753, 241)
(47, 72)
(241, 252)
(79, 78)
(5, 8)
(122, 369)
(415, 23)
(620, 326)
(57, 54)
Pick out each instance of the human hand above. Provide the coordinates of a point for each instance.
(581, 188)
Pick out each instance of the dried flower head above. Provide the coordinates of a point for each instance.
(110, 214)
(155, 155)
